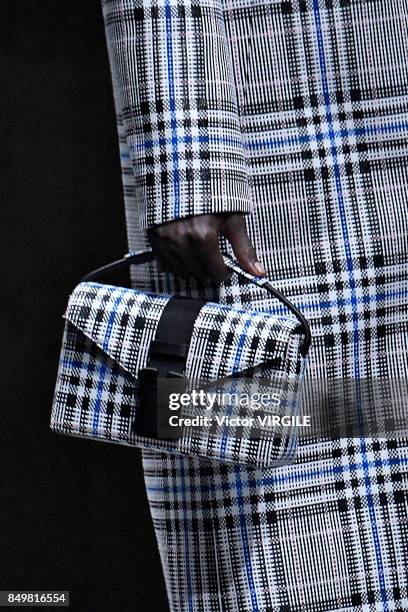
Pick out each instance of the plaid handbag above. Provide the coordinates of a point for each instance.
(179, 374)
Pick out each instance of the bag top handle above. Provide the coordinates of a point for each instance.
(141, 257)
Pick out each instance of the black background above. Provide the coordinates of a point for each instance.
(74, 513)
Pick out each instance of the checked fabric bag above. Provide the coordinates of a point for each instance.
(126, 353)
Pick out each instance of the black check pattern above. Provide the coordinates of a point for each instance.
(106, 342)
(322, 98)
(183, 132)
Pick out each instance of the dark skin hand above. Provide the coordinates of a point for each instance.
(190, 247)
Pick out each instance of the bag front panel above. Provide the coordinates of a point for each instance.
(106, 341)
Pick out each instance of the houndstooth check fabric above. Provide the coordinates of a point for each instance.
(301, 106)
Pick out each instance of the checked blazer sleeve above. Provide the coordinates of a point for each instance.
(174, 84)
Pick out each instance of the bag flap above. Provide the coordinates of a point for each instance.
(123, 322)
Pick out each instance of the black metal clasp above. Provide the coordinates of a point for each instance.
(153, 409)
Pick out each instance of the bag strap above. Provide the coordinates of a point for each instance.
(141, 257)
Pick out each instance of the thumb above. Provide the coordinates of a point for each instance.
(234, 229)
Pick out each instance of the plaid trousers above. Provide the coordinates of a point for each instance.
(294, 113)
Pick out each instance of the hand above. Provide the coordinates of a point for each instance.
(190, 247)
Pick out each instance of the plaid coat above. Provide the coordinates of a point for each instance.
(294, 113)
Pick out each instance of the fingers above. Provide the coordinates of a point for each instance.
(175, 264)
(234, 229)
(163, 264)
(209, 255)
(189, 248)
(203, 244)
(167, 258)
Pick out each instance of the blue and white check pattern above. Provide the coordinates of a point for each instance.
(106, 342)
(180, 112)
(321, 96)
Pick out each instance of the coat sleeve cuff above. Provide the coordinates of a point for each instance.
(173, 68)
(214, 190)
